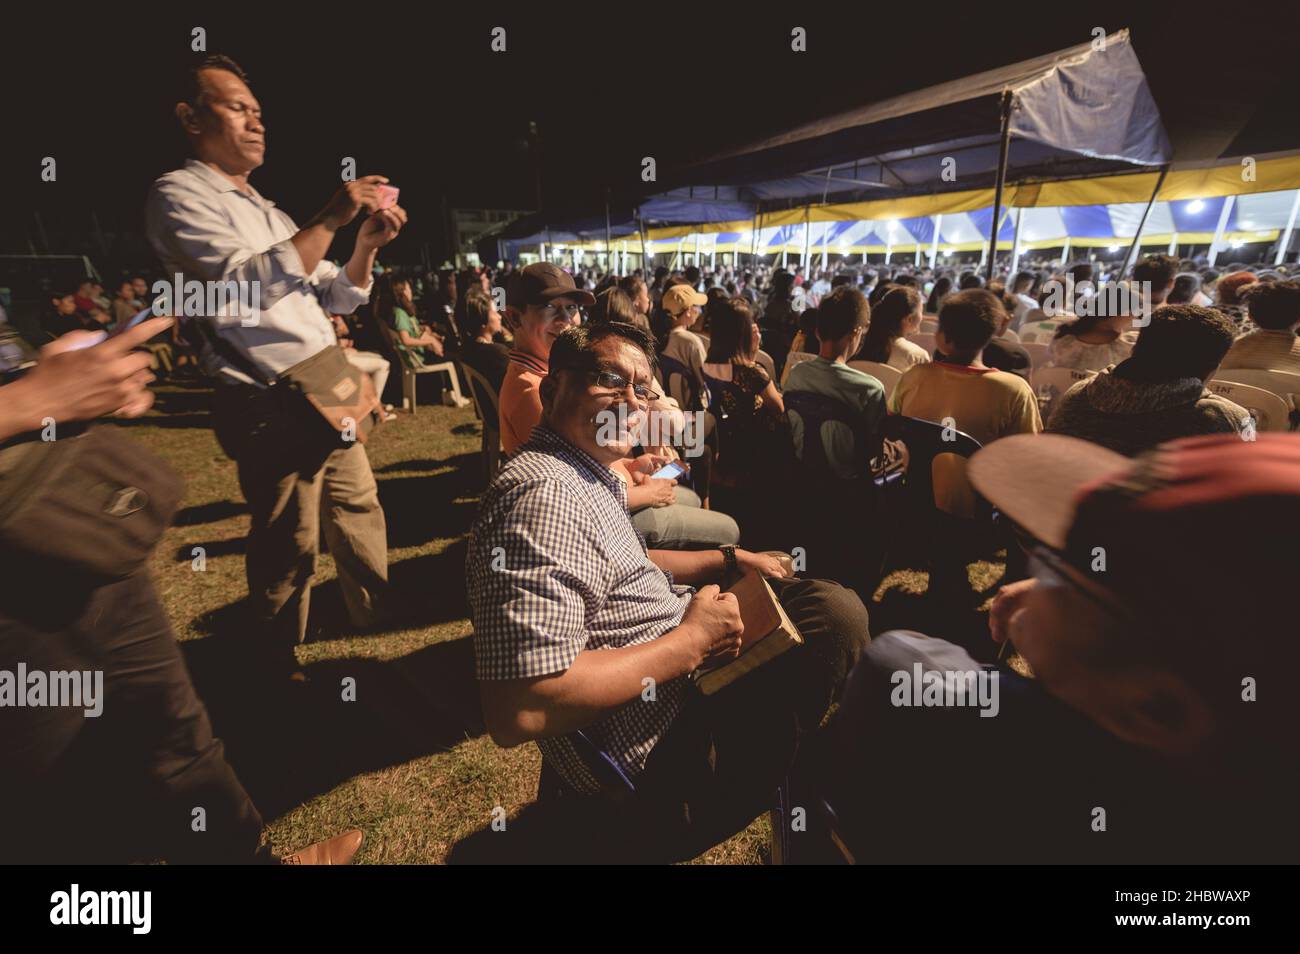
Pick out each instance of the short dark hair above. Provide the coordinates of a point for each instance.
(1159, 270)
(1274, 305)
(842, 311)
(969, 319)
(970, 280)
(1183, 341)
(193, 90)
(573, 350)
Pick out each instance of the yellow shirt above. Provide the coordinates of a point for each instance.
(981, 402)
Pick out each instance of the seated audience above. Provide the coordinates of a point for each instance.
(1274, 309)
(541, 304)
(980, 401)
(842, 320)
(482, 351)
(749, 409)
(1102, 337)
(1158, 393)
(1003, 352)
(581, 619)
(897, 315)
(415, 343)
(1228, 295)
(1155, 275)
(682, 305)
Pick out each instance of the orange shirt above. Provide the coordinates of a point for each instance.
(520, 399)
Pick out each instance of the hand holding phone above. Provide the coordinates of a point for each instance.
(387, 196)
(669, 471)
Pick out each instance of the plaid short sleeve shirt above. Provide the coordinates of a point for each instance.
(555, 567)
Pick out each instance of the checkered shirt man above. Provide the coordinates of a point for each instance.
(555, 567)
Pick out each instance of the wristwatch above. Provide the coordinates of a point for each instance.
(729, 559)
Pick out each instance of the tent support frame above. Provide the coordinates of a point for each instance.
(1142, 223)
(1004, 147)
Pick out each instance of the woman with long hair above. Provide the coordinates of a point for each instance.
(942, 286)
(394, 307)
(1102, 337)
(897, 315)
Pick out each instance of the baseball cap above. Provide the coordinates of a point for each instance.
(680, 297)
(540, 283)
(1184, 530)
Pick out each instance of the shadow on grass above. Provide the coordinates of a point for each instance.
(213, 512)
(290, 743)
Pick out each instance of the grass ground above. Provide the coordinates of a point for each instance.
(408, 762)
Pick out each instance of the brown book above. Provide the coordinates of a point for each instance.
(768, 633)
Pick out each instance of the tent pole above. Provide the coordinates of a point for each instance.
(934, 244)
(1015, 243)
(807, 230)
(645, 259)
(1224, 214)
(1285, 245)
(1142, 223)
(1173, 244)
(1004, 148)
(1065, 251)
(609, 242)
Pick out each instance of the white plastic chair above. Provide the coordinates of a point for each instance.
(764, 361)
(928, 326)
(1285, 384)
(791, 359)
(1039, 331)
(1270, 412)
(887, 375)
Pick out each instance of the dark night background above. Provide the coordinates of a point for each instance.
(414, 92)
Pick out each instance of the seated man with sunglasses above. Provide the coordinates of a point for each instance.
(542, 302)
(1156, 723)
(579, 628)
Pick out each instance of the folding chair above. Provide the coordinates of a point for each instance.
(486, 407)
(886, 374)
(412, 366)
(1039, 332)
(1270, 412)
(1284, 384)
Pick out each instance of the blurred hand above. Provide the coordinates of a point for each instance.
(661, 490)
(1004, 606)
(713, 624)
(81, 376)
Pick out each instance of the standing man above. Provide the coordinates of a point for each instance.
(207, 222)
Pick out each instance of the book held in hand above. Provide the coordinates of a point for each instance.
(768, 633)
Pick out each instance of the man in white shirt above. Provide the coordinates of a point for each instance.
(207, 223)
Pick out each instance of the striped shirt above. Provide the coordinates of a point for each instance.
(554, 568)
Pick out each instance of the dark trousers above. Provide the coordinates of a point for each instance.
(724, 755)
(123, 785)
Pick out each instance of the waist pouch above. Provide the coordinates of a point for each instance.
(96, 503)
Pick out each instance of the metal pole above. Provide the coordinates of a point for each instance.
(934, 243)
(1004, 148)
(1173, 244)
(1065, 251)
(1224, 213)
(609, 242)
(1015, 244)
(1142, 223)
(645, 258)
(807, 229)
(1285, 245)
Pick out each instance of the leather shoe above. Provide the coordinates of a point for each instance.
(338, 850)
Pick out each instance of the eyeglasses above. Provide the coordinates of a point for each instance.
(553, 311)
(615, 382)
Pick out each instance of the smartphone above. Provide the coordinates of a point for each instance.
(669, 471)
(388, 196)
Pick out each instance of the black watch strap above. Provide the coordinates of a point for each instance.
(729, 559)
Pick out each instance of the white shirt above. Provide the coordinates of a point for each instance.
(202, 226)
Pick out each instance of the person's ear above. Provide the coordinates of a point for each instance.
(189, 120)
(548, 388)
(1154, 709)
(511, 318)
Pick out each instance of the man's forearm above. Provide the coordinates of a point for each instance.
(598, 681)
(313, 242)
(691, 567)
(360, 265)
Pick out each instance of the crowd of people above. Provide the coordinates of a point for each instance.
(1151, 629)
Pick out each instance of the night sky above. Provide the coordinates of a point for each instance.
(416, 93)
